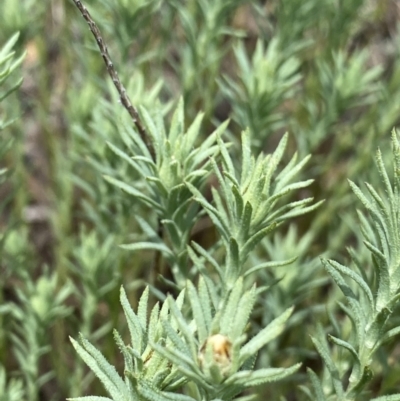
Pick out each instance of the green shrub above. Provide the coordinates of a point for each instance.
(148, 187)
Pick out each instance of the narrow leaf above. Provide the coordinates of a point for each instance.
(101, 368)
(265, 335)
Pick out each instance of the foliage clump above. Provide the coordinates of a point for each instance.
(186, 213)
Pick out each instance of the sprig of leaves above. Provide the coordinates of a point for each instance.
(170, 349)
(263, 84)
(247, 203)
(179, 162)
(371, 296)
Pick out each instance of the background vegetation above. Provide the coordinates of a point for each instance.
(327, 72)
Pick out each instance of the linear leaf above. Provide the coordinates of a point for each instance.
(255, 239)
(246, 156)
(393, 397)
(135, 328)
(197, 310)
(391, 333)
(183, 363)
(289, 172)
(229, 312)
(205, 301)
(265, 335)
(90, 398)
(356, 277)
(207, 256)
(132, 191)
(248, 378)
(357, 191)
(101, 368)
(324, 352)
(244, 309)
(301, 209)
(358, 312)
(153, 394)
(176, 340)
(317, 386)
(239, 204)
(344, 344)
(184, 328)
(246, 219)
(266, 265)
(383, 173)
(126, 157)
(177, 124)
(138, 246)
(6, 48)
(142, 308)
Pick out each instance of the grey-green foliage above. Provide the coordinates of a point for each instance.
(96, 264)
(144, 371)
(40, 304)
(217, 357)
(8, 84)
(248, 204)
(299, 276)
(162, 185)
(265, 82)
(371, 296)
(127, 20)
(207, 31)
(204, 339)
(11, 391)
(209, 354)
(107, 123)
(18, 15)
(8, 64)
(345, 83)
(333, 21)
(292, 278)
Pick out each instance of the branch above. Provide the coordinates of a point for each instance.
(114, 76)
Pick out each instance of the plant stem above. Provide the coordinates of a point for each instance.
(112, 72)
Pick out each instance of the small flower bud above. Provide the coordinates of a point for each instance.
(221, 348)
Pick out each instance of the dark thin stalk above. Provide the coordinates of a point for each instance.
(114, 76)
(125, 101)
